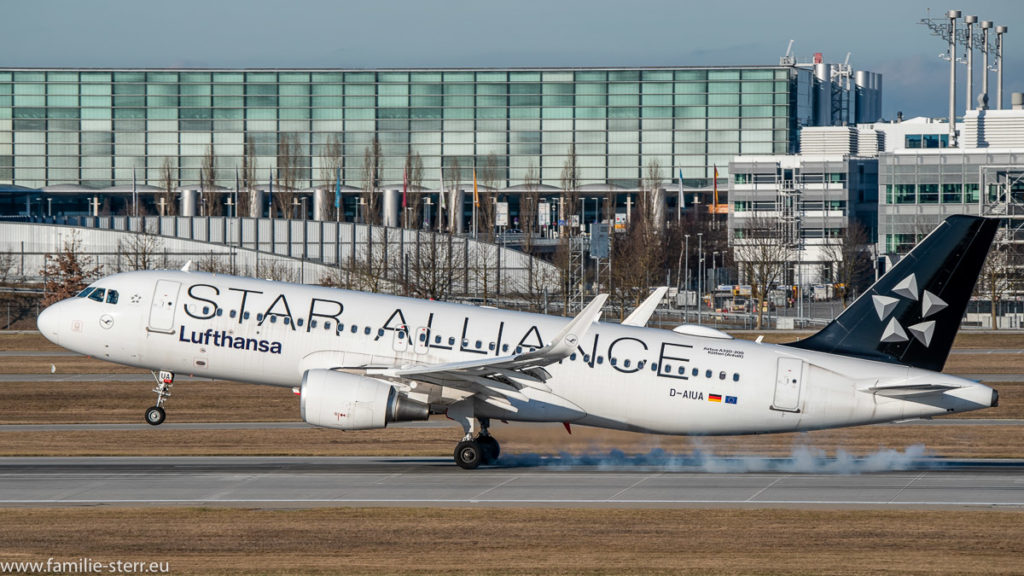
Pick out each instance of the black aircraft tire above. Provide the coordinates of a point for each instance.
(155, 416)
(490, 448)
(468, 454)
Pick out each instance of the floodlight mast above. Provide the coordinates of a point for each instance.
(1000, 30)
(983, 99)
(970, 20)
(952, 15)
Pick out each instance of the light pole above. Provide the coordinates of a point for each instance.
(714, 274)
(583, 215)
(700, 274)
(686, 284)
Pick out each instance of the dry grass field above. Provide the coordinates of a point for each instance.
(468, 540)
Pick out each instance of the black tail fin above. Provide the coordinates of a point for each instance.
(911, 315)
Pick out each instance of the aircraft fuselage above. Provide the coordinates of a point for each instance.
(621, 377)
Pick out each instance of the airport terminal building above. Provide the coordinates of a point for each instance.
(79, 133)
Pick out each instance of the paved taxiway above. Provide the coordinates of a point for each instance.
(274, 482)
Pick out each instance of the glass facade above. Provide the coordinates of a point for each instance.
(920, 188)
(98, 128)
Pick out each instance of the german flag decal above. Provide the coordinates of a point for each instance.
(714, 397)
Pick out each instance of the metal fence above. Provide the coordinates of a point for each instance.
(359, 256)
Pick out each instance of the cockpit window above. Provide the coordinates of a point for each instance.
(111, 296)
(98, 294)
(85, 292)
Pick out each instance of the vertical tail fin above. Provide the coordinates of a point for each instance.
(911, 315)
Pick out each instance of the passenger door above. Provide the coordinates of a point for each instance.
(788, 381)
(161, 311)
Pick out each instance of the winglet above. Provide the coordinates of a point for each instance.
(645, 310)
(567, 339)
(187, 267)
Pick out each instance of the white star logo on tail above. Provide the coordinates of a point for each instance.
(884, 305)
(907, 287)
(924, 332)
(930, 304)
(894, 332)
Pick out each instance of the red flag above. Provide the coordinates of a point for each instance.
(405, 185)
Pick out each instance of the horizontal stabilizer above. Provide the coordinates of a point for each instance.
(908, 390)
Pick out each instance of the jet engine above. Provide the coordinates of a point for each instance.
(350, 402)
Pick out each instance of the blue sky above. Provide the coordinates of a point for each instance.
(881, 36)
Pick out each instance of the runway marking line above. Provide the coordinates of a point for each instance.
(762, 490)
(492, 488)
(907, 485)
(615, 496)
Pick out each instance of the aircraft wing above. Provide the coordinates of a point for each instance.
(495, 380)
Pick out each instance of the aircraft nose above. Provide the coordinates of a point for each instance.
(47, 323)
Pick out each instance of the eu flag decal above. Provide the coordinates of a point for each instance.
(730, 399)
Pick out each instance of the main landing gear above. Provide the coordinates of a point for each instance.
(155, 415)
(472, 452)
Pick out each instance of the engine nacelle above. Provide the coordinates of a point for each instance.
(350, 402)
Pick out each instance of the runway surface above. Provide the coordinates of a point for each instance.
(520, 480)
(432, 423)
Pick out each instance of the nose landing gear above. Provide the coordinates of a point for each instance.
(155, 415)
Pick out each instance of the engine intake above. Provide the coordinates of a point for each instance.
(350, 402)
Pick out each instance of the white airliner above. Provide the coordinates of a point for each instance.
(361, 361)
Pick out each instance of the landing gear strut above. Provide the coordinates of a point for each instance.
(155, 415)
(472, 452)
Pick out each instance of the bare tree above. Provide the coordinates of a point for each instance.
(763, 254)
(437, 267)
(486, 210)
(279, 270)
(7, 261)
(639, 255)
(1000, 275)
(332, 159)
(168, 180)
(570, 187)
(68, 271)
(529, 204)
(247, 201)
(454, 212)
(287, 176)
(371, 182)
(141, 251)
(414, 195)
(848, 255)
(653, 201)
(216, 263)
(208, 184)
